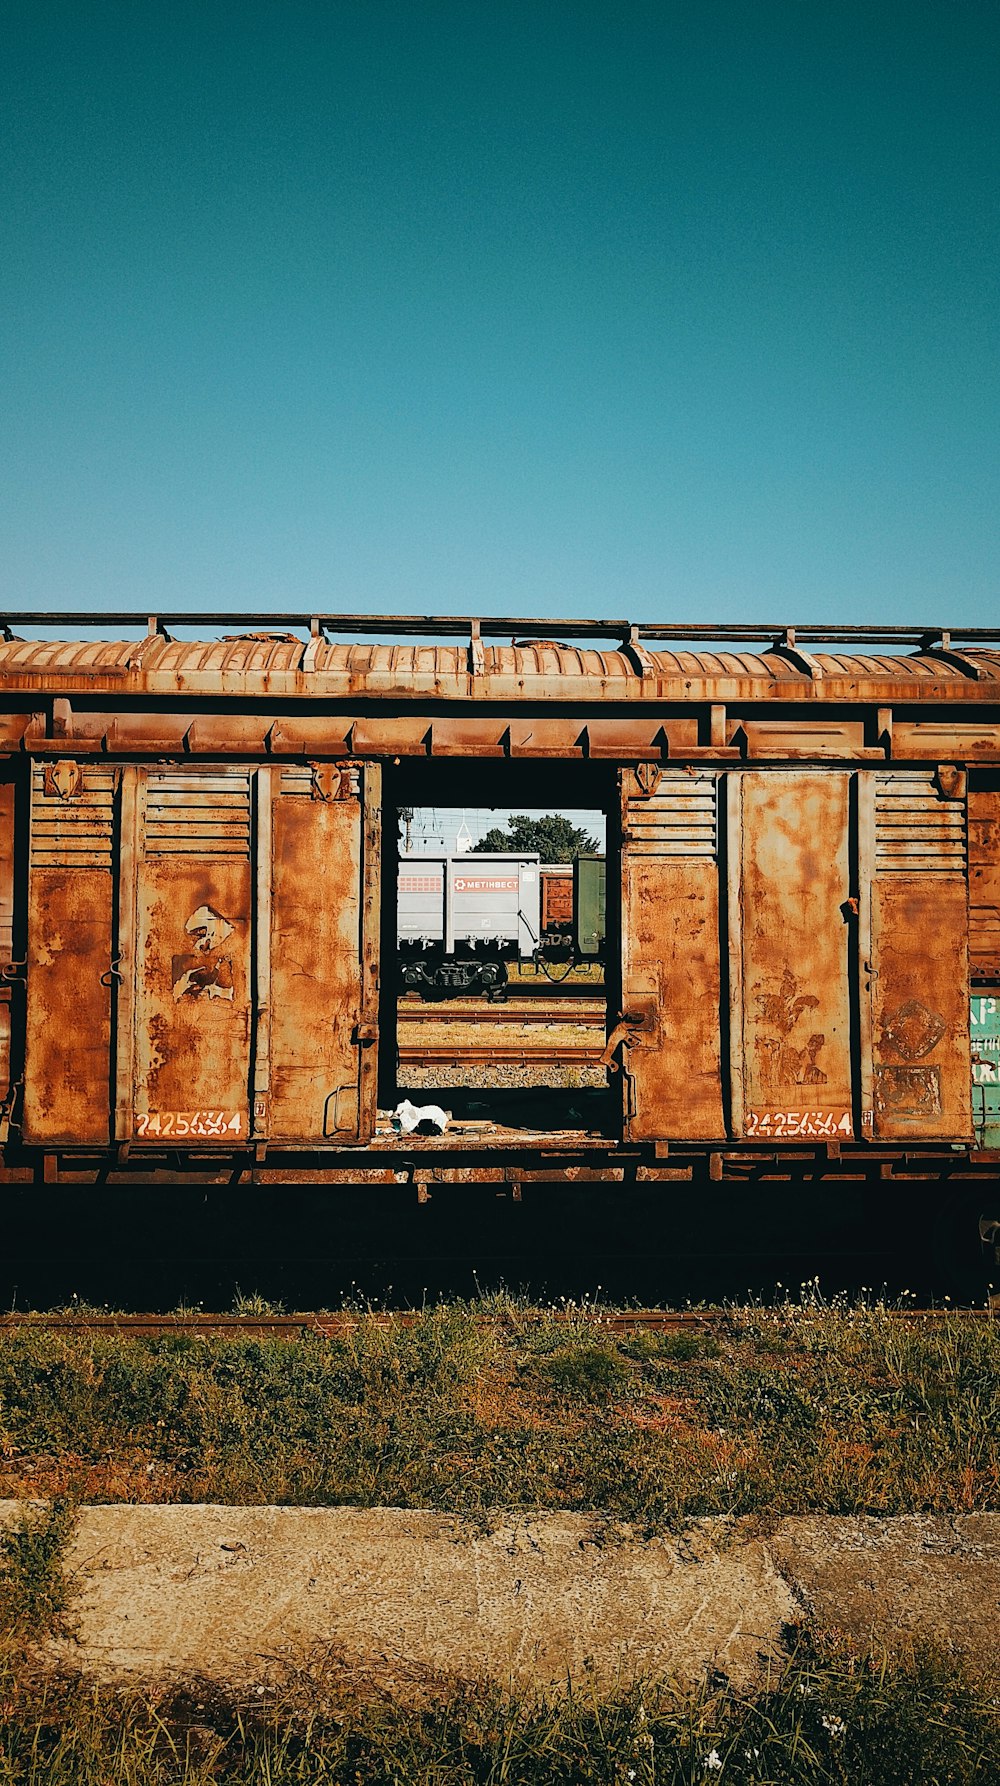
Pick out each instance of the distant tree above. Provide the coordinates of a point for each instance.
(554, 838)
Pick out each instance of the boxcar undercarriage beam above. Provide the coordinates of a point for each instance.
(423, 1163)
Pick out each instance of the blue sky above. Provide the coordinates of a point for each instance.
(671, 312)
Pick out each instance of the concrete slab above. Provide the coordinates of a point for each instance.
(242, 1594)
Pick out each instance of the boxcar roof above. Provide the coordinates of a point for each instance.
(257, 665)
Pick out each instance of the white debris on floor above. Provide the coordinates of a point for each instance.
(420, 1118)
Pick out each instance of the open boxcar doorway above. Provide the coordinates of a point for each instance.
(486, 1010)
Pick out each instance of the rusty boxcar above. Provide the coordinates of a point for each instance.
(803, 892)
(556, 918)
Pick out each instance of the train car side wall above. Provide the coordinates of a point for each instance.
(203, 954)
(797, 947)
(818, 919)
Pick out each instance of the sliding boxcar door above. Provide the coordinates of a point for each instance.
(8, 792)
(318, 1060)
(67, 1085)
(984, 879)
(186, 927)
(916, 966)
(790, 938)
(670, 955)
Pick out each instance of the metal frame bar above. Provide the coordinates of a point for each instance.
(780, 638)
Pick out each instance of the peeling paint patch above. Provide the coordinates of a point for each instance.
(207, 970)
(913, 1030)
(908, 1091)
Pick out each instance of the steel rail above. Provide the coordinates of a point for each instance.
(530, 990)
(493, 1014)
(527, 1053)
(329, 1325)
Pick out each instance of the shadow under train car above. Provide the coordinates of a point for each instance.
(160, 1248)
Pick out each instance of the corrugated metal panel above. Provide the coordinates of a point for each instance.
(75, 831)
(915, 959)
(197, 812)
(525, 662)
(297, 778)
(35, 656)
(226, 657)
(912, 667)
(680, 819)
(671, 962)
(67, 1096)
(916, 832)
(711, 664)
(425, 665)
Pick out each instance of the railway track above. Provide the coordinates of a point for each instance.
(491, 1015)
(528, 990)
(332, 1325)
(508, 1053)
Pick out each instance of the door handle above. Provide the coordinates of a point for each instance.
(624, 1033)
(113, 972)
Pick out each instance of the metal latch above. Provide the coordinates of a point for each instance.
(625, 1032)
(365, 1033)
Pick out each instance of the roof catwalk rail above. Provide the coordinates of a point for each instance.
(514, 627)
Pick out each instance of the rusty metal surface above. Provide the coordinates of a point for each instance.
(323, 954)
(984, 882)
(669, 1025)
(8, 972)
(70, 926)
(203, 886)
(68, 1029)
(255, 666)
(913, 839)
(192, 964)
(511, 1159)
(557, 895)
(714, 729)
(790, 933)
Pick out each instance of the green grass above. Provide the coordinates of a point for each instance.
(827, 1716)
(34, 1591)
(793, 1409)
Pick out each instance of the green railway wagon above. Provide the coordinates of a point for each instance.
(589, 901)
